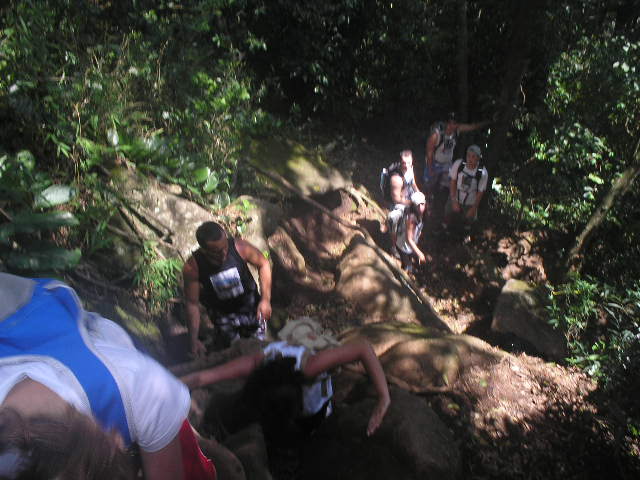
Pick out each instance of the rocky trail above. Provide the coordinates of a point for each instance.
(474, 393)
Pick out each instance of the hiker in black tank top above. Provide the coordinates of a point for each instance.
(227, 288)
(217, 275)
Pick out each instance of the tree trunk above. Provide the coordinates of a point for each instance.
(463, 62)
(618, 189)
(524, 32)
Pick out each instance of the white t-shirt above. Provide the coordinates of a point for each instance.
(156, 402)
(444, 153)
(467, 185)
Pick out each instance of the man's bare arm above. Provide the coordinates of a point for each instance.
(411, 228)
(251, 254)
(351, 352)
(468, 127)
(192, 305)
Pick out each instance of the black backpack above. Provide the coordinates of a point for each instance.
(438, 127)
(385, 179)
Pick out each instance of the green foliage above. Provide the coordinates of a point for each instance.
(90, 86)
(581, 140)
(27, 236)
(157, 278)
(161, 104)
(602, 326)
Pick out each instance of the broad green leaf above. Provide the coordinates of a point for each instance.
(54, 195)
(45, 259)
(29, 222)
(201, 175)
(212, 183)
(596, 179)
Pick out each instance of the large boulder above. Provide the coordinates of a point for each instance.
(304, 169)
(411, 443)
(521, 311)
(364, 279)
(421, 359)
(159, 213)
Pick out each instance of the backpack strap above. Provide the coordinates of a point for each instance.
(438, 128)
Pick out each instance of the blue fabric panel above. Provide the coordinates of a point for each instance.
(48, 326)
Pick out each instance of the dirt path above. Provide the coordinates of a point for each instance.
(523, 419)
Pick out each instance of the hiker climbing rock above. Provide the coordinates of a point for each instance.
(288, 382)
(217, 275)
(398, 184)
(468, 182)
(409, 231)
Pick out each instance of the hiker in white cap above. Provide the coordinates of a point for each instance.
(468, 182)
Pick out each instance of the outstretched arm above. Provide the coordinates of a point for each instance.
(251, 254)
(468, 127)
(350, 352)
(237, 368)
(411, 229)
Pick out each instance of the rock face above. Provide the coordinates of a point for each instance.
(419, 359)
(411, 443)
(521, 311)
(158, 213)
(255, 218)
(305, 169)
(365, 280)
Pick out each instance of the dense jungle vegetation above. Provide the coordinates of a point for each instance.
(178, 88)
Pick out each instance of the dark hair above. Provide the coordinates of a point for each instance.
(273, 392)
(209, 232)
(69, 447)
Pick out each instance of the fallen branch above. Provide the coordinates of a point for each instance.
(6, 215)
(130, 213)
(384, 256)
(98, 283)
(399, 382)
(125, 235)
